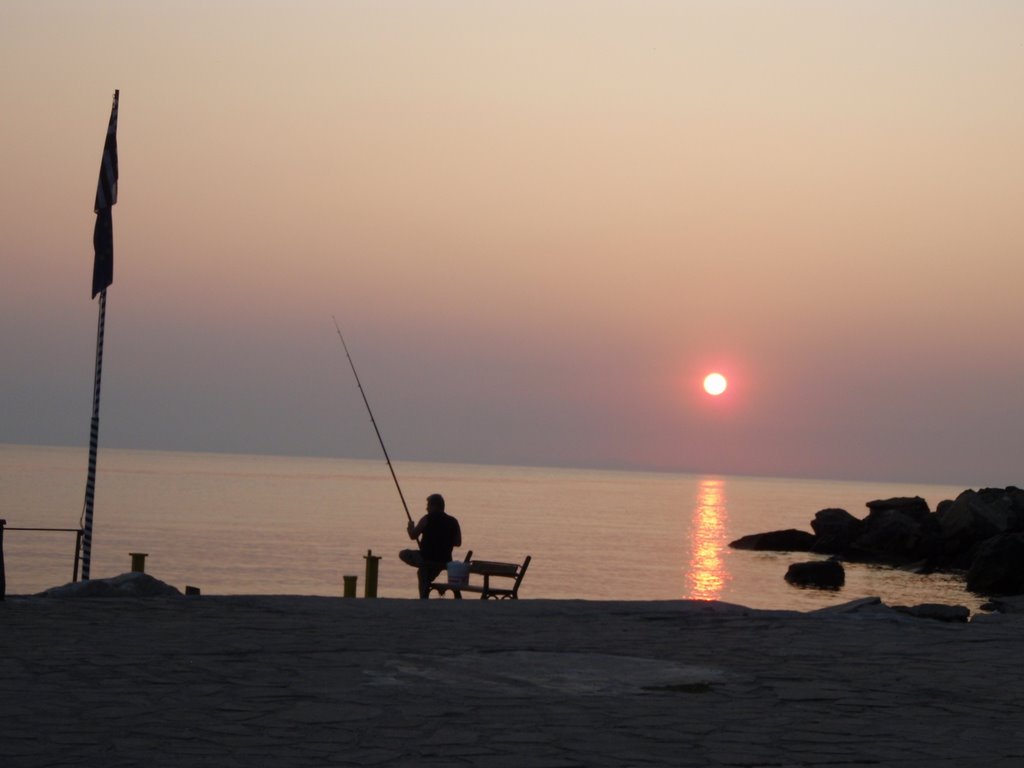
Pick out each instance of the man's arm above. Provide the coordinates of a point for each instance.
(415, 531)
(457, 538)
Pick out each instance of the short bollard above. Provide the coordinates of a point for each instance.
(350, 586)
(138, 561)
(192, 591)
(372, 562)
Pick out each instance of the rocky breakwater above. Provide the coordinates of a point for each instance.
(980, 534)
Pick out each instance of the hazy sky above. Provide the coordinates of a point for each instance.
(539, 224)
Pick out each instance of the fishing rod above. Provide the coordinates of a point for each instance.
(372, 420)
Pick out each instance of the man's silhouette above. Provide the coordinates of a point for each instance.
(440, 534)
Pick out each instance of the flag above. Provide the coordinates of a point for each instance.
(106, 196)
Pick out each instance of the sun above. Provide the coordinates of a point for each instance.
(715, 384)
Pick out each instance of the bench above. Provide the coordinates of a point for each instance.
(489, 570)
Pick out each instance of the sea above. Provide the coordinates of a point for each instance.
(247, 524)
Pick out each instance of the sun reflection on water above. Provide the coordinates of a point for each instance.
(707, 575)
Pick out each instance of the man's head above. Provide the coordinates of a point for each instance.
(435, 503)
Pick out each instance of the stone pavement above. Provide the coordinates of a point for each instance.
(304, 681)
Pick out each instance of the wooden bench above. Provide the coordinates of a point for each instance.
(489, 570)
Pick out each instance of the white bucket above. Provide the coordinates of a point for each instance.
(458, 573)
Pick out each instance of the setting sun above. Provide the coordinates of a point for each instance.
(715, 384)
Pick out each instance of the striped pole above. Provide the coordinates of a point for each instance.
(3, 575)
(102, 276)
(94, 439)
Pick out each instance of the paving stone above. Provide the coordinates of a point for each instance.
(293, 681)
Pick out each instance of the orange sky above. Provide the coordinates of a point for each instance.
(540, 225)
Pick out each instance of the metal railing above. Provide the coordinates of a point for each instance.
(3, 527)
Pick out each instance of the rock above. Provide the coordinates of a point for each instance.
(892, 535)
(998, 566)
(1011, 494)
(821, 574)
(913, 507)
(937, 611)
(835, 530)
(861, 605)
(975, 516)
(789, 540)
(132, 584)
(902, 532)
(1007, 604)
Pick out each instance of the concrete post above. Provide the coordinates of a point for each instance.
(372, 565)
(350, 586)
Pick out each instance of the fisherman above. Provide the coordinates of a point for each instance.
(441, 534)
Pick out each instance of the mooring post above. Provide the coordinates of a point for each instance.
(3, 577)
(138, 561)
(372, 568)
(350, 586)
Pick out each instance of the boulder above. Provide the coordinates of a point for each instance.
(133, 584)
(902, 532)
(835, 530)
(789, 540)
(975, 516)
(1007, 604)
(893, 536)
(820, 574)
(913, 507)
(861, 605)
(998, 566)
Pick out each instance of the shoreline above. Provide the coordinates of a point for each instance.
(294, 680)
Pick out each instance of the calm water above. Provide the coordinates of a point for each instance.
(272, 525)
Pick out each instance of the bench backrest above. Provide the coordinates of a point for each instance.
(509, 570)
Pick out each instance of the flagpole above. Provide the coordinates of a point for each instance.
(102, 277)
(94, 438)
